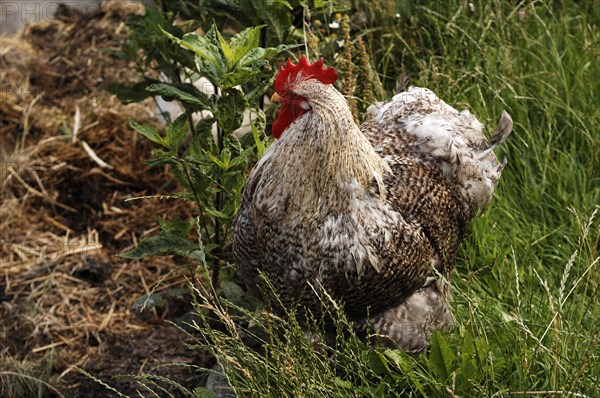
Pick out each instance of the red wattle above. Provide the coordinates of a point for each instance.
(287, 115)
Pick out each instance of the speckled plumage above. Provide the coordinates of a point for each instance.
(373, 215)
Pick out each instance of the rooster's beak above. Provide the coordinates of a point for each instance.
(276, 98)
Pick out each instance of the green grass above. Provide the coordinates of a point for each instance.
(528, 275)
(538, 243)
(539, 240)
(25, 378)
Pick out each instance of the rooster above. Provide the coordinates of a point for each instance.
(372, 215)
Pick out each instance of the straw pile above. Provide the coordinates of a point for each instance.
(68, 162)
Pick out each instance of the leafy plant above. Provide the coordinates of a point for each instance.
(206, 157)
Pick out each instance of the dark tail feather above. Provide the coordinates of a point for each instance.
(503, 129)
(402, 82)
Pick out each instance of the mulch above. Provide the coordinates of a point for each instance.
(69, 167)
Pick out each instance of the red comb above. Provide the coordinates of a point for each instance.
(289, 73)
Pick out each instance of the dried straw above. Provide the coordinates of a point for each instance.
(68, 162)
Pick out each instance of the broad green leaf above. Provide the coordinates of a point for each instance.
(176, 225)
(241, 158)
(128, 94)
(378, 363)
(201, 392)
(161, 157)
(277, 13)
(226, 50)
(251, 64)
(209, 247)
(242, 74)
(204, 137)
(208, 57)
(216, 160)
(217, 213)
(210, 70)
(147, 131)
(253, 55)
(441, 358)
(170, 92)
(165, 243)
(177, 131)
(257, 125)
(204, 125)
(259, 90)
(381, 391)
(226, 158)
(258, 53)
(468, 357)
(211, 35)
(346, 385)
(224, 162)
(230, 110)
(232, 291)
(468, 350)
(244, 42)
(405, 363)
(481, 349)
(199, 45)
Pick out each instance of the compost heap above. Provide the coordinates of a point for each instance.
(69, 162)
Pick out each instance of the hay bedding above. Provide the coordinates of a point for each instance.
(68, 162)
